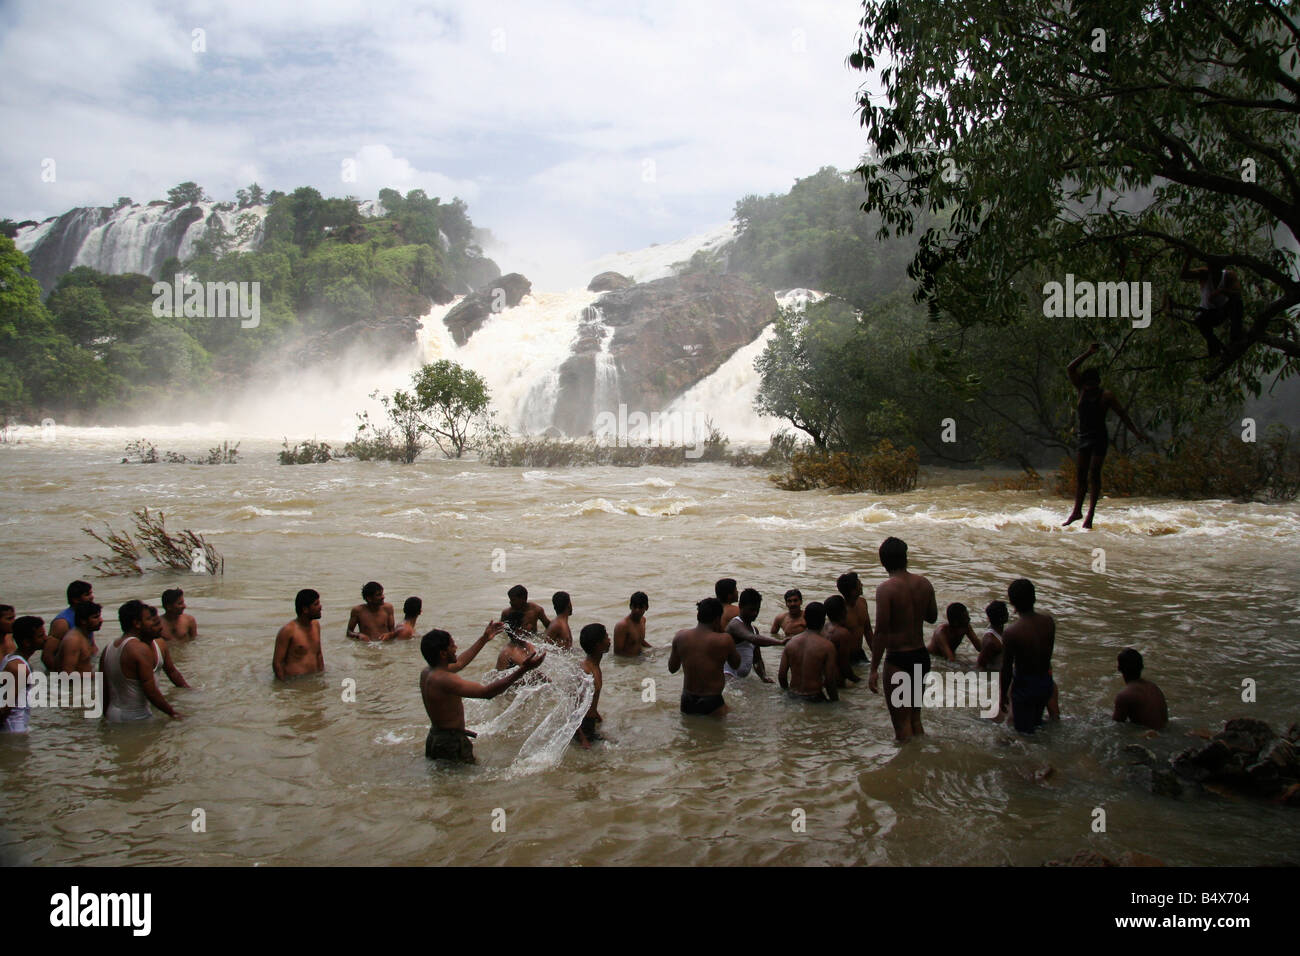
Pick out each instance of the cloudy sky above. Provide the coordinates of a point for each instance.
(571, 128)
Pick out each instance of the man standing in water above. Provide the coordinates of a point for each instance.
(443, 692)
(558, 632)
(593, 639)
(1094, 439)
(19, 642)
(128, 666)
(411, 610)
(809, 661)
(373, 620)
(77, 649)
(790, 621)
(79, 592)
(176, 624)
(748, 640)
(857, 615)
(700, 652)
(1027, 658)
(1140, 701)
(629, 633)
(903, 602)
(297, 646)
(531, 611)
(725, 591)
(837, 632)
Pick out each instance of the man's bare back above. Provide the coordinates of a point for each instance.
(809, 668)
(904, 603)
(700, 652)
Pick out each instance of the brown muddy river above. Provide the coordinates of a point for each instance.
(300, 775)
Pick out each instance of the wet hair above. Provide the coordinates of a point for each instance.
(893, 554)
(371, 588)
(518, 591)
(845, 582)
(25, 629)
(131, 614)
(997, 613)
(591, 637)
(708, 610)
(815, 615)
(6, 609)
(958, 614)
(836, 608)
(304, 599)
(171, 596)
(412, 607)
(724, 588)
(1090, 376)
(1130, 663)
(750, 598)
(561, 600)
(84, 611)
(638, 599)
(79, 589)
(433, 644)
(1021, 594)
(794, 592)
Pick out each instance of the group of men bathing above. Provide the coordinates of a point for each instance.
(819, 645)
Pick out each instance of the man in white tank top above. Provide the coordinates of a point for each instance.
(128, 666)
(27, 637)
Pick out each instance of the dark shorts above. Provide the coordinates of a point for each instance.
(817, 698)
(701, 704)
(449, 745)
(588, 729)
(907, 660)
(1094, 445)
(1029, 695)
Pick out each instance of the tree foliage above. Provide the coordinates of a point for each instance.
(1111, 141)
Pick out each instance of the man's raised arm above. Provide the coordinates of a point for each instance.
(463, 659)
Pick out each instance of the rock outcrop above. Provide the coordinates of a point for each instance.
(609, 282)
(383, 340)
(1246, 756)
(667, 335)
(468, 316)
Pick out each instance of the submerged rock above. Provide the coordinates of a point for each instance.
(1245, 756)
(1093, 858)
(468, 315)
(609, 282)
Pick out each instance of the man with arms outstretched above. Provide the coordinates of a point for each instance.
(443, 692)
(903, 602)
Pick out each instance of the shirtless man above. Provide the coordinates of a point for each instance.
(903, 602)
(6, 620)
(700, 652)
(517, 650)
(837, 632)
(629, 633)
(411, 609)
(533, 613)
(77, 649)
(128, 667)
(748, 640)
(1027, 659)
(725, 591)
(297, 646)
(990, 658)
(790, 621)
(593, 639)
(858, 615)
(78, 593)
(808, 669)
(176, 624)
(1140, 701)
(374, 620)
(558, 632)
(443, 692)
(947, 637)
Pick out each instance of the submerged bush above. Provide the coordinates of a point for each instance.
(1215, 464)
(310, 452)
(885, 470)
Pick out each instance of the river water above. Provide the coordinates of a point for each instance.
(300, 775)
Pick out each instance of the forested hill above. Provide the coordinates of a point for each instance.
(95, 344)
